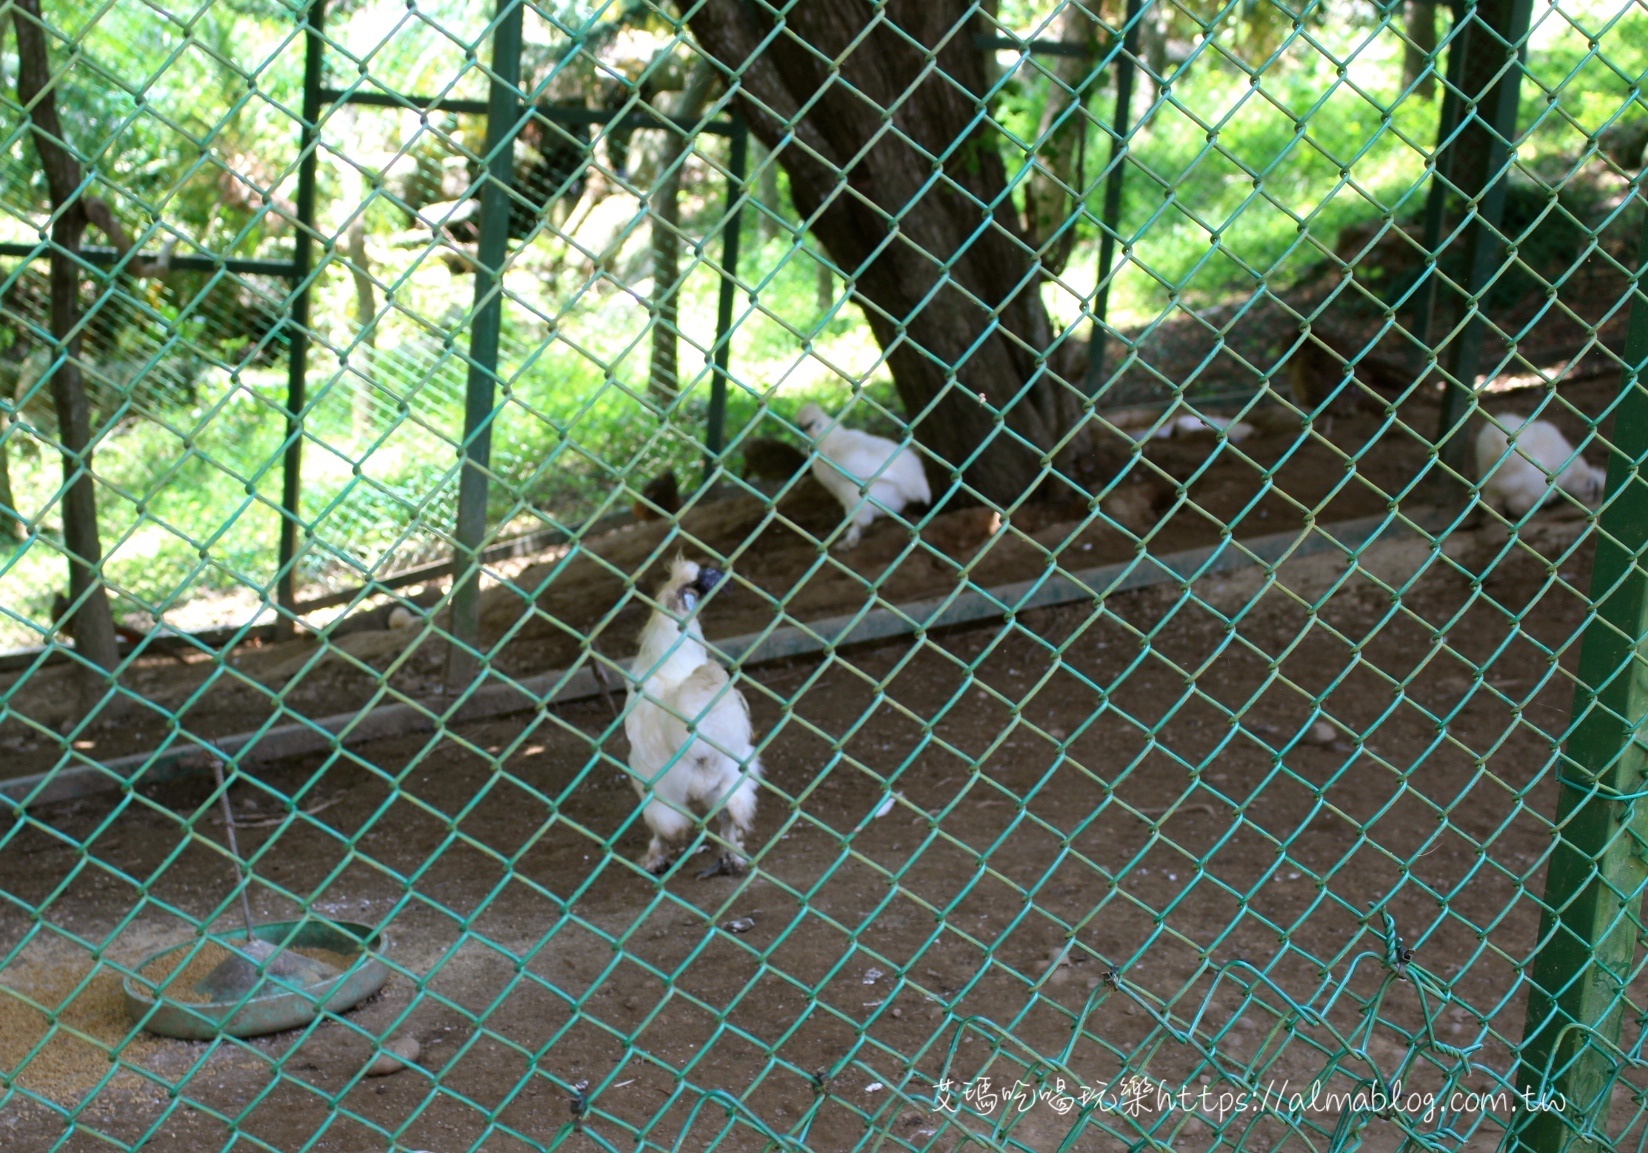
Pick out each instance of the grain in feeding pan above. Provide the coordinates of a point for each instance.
(317, 967)
(263, 980)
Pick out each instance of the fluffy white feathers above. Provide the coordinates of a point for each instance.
(1523, 462)
(868, 474)
(690, 742)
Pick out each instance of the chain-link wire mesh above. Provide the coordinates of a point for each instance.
(1207, 717)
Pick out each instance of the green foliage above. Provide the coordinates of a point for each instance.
(1233, 184)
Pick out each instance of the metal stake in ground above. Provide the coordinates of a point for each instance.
(1111, 221)
(297, 346)
(250, 964)
(503, 124)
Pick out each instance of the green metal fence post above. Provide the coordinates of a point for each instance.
(1593, 889)
(1495, 49)
(1113, 182)
(1436, 197)
(502, 126)
(297, 348)
(721, 354)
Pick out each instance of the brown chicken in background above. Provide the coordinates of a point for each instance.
(1138, 504)
(963, 533)
(1318, 365)
(660, 497)
(776, 460)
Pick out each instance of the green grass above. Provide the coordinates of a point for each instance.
(1234, 187)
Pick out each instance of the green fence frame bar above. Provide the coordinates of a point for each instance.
(720, 354)
(297, 348)
(1497, 107)
(639, 116)
(1590, 928)
(1111, 213)
(485, 327)
(1436, 196)
(1033, 47)
(100, 256)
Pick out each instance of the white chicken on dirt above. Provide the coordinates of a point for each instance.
(691, 747)
(1523, 462)
(868, 474)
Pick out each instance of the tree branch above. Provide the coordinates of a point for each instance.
(36, 89)
(103, 219)
(93, 627)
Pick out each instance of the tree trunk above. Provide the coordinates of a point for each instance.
(11, 525)
(366, 316)
(364, 357)
(771, 216)
(11, 380)
(93, 624)
(917, 218)
(1057, 184)
(1420, 29)
(664, 214)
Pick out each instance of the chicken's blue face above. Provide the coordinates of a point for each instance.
(812, 421)
(689, 584)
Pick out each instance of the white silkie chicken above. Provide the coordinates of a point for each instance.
(868, 474)
(690, 742)
(1523, 462)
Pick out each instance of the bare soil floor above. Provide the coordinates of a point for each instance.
(1075, 778)
(549, 611)
(1096, 834)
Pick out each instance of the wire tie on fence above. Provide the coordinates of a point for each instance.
(1397, 955)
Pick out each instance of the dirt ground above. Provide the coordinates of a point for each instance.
(1100, 840)
(546, 612)
(1119, 818)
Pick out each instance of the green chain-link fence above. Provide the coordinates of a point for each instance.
(1236, 746)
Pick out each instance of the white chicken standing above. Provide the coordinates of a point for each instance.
(690, 741)
(1522, 462)
(868, 474)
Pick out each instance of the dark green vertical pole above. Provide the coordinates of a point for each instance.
(715, 434)
(1111, 213)
(1436, 197)
(1593, 888)
(297, 342)
(1495, 48)
(503, 114)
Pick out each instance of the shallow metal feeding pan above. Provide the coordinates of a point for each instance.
(281, 1006)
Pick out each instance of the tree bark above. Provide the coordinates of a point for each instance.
(1153, 30)
(93, 623)
(366, 316)
(876, 112)
(364, 359)
(11, 525)
(366, 304)
(1056, 186)
(1420, 30)
(664, 216)
(770, 221)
